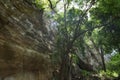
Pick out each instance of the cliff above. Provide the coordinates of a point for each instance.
(23, 38)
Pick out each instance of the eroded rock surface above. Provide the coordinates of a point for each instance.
(23, 38)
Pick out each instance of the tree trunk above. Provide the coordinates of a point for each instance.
(103, 60)
(65, 71)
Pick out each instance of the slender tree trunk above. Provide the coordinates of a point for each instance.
(103, 60)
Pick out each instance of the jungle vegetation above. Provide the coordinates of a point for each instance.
(86, 44)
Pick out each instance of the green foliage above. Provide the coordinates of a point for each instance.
(107, 11)
(108, 74)
(85, 73)
(69, 25)
(114, 64)
(74, 58)
(41, 3)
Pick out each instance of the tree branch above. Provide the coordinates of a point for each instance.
(81, 17)
(51, 5)
(98, 26)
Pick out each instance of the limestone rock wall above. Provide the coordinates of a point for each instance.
(26, 76)
(23, 39)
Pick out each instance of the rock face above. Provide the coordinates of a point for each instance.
(23, 41)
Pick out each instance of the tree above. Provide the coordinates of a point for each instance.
(69, 36)
(108, 11)
(75, 30)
